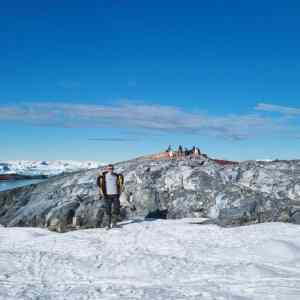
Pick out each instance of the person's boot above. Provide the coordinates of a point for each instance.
(114, 221)
(114, 224)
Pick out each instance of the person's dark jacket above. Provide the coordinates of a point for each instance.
(102, 184)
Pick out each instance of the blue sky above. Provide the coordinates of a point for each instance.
(111, 80)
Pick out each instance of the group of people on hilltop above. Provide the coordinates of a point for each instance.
(195, 151)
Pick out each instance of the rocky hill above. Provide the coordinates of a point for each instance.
(227, 194)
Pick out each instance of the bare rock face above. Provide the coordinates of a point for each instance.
(231, 194)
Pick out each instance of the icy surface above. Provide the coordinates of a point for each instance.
(170, 259)
(28, 167)
(12, 184)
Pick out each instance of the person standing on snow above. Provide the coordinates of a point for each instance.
(111, 186)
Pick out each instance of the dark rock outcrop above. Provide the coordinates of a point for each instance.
(228, 194)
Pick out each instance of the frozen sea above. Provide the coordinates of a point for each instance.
(11, 184)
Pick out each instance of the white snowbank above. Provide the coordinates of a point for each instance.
(172, 259)
(28, 167)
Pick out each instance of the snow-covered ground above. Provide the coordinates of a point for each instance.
(28, 167)
(163, 259)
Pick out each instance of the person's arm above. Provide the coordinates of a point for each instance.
(100, 184)
(121, 183)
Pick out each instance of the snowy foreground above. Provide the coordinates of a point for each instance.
(163, 259)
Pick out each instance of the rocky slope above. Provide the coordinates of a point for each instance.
(232, 194)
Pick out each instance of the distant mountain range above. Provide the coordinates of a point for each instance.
(45, 168)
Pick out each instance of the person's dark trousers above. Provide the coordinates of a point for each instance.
(112, 207)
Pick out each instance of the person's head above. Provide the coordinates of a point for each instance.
(110, 168)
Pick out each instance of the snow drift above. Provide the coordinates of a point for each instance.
(162, 259)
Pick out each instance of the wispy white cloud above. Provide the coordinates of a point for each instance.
(113, 139)
(286, 110)
(142, 116)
